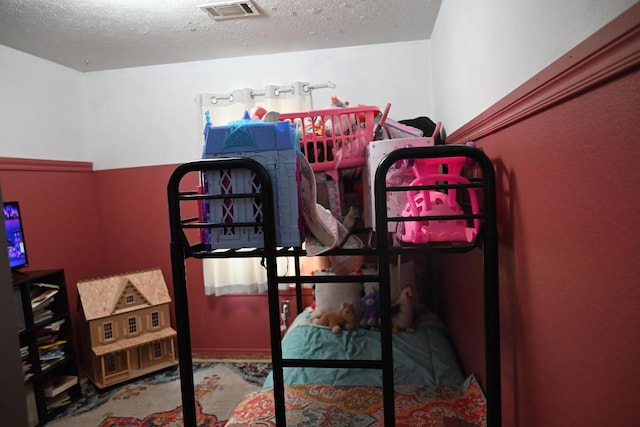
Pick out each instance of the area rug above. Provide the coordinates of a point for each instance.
(155, 400)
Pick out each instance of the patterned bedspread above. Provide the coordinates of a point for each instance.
(360, 406)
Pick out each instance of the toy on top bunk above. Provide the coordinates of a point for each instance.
(425, 203)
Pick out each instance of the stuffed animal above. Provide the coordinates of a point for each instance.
(344, 317)
(370, 310)
(402, 311)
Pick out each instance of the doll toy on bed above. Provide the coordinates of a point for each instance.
(402, 311)
(345, 317)
(370, 310)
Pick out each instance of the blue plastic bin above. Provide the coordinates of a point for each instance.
(276, 147)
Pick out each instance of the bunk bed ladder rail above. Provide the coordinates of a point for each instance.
(181, 249)
(489, 237)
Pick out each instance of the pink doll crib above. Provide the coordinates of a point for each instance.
(437, 204)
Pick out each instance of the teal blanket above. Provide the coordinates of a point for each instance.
(423, 357)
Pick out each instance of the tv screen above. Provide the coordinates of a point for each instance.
(15, 236)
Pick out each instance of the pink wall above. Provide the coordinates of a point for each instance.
(135, 235)
(61, 219)
(108, 222)
(567, 177)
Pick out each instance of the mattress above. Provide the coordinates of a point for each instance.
(423, 357)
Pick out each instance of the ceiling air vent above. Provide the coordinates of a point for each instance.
(231, 10)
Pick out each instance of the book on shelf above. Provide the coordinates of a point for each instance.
(53, 326)
(41, 299)
(59, 401)
(42, 315)
(58, 384)
(46, 339)
(26, 370)
(50, 353)
(52, 345)
(47, 285)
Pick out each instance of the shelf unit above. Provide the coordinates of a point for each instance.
(46, 343)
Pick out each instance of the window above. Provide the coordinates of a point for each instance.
(157, 350)
(133, 325)
(129, 299)
(107, 329)
(155, 319)
(110, 363)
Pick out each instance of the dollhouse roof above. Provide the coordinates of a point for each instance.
(100, 296)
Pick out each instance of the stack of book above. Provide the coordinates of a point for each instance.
(41, 296)
(26, 366)
(57, 392)
(51, 353)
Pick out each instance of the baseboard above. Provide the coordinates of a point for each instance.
(226, 353)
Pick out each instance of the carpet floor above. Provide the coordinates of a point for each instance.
(155, 400)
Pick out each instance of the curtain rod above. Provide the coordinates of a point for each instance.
(290, 89)
(306, 87)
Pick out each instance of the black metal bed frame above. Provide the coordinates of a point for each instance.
(182, 248)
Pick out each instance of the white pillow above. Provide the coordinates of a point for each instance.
(330, 296)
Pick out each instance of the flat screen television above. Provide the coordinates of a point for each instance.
(15, 236)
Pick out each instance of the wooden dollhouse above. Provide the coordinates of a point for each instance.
(127, 327)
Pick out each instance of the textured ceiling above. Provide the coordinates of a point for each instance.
(90, 35)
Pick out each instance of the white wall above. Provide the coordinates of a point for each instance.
(149, 115)
(484, 49)
(42, 114)
(480, 50)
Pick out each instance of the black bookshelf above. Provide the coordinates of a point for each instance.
(46, 343)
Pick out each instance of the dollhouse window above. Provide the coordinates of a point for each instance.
(157, 350)
(155, 319)
(109, 363)
(133, 325)
(129, 299)
(108, 331)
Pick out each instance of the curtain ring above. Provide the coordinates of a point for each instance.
(214, 99)
(277, 91)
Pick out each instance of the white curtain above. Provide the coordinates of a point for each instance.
(247, 275)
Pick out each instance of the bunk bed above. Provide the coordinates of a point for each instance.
(393, 391)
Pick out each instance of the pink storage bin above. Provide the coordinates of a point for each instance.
(334, 138)
(437, 203)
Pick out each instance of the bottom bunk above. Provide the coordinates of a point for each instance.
(430, 388)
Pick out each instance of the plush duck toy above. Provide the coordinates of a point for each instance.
(402, 311)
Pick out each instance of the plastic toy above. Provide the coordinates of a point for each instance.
(371, 310)
(257, 112)
(344, 317)
(438, 204)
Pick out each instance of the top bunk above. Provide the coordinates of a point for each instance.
(448, 207)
